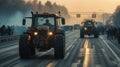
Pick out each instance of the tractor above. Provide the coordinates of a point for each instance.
(44, 33)
(89, 28)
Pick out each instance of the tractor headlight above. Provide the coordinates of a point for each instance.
(85, 28)
(50, 33)
(35, 33)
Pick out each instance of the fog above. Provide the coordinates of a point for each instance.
(12, 11)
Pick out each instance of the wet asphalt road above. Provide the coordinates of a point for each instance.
(80, 52)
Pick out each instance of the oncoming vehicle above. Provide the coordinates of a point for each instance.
(89, 29)
(76, 27)
(68, 28)
(45, 33)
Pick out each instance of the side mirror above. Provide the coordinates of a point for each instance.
(23, 22)
(63, 21)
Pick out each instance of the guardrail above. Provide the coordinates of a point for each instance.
(9, 38)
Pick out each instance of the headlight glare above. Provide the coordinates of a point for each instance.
(85, 28)
(50, 33)
(35, 33)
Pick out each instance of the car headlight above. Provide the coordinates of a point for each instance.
(50, 33)
(85, 28)
(35, 33)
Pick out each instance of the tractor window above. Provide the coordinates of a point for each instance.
(28, 22)
(59, 23)
(49, 21)
(88, 24)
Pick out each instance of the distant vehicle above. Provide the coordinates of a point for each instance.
(68, 28)
(89, 28)
(76, 26)
(43, 35)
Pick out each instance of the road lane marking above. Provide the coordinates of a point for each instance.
(86, 44)
(8, 48)
(114, 46)
(76, 64)
(71, 45)
(66, 56)
(88, 55)
(87, 58)
(111, 50)
(9, 62)
(82, 52)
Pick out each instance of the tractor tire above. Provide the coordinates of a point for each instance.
(59, 47)
(96, 33)
(81, 35)
(26, 49)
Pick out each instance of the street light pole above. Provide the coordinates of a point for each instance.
(103, 18)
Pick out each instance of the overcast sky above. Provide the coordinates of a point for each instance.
(88, 5)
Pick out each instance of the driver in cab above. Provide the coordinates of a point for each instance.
(48, 23)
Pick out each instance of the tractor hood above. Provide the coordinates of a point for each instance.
(43, 27)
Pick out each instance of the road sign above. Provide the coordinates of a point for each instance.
(77, 15)
(94, 15)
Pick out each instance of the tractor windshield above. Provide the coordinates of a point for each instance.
(48, 21)
(88, 24)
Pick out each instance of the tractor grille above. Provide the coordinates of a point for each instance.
(43, 34)
(89, 28)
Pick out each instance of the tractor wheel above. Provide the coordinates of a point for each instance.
(59, 47)
(96, 33)
(26, 49)
(81, 35)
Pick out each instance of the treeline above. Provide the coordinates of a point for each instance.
(116, 17)
(9, 7)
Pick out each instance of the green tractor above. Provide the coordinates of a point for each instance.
(89, 28)
(44, 33)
